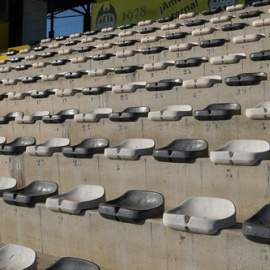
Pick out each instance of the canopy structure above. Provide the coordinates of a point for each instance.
(56, 7)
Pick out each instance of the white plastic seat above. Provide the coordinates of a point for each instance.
(145, 23)
(170, 113)
(235, 7)
(93, 116)
(247, 38)
(126, 53)
(130, 149)
(126, 33)
(48, 147)
(80, 197)
(158, 66)
(7, 184)
(31, 119)
(104, 46)
(8, 82)
(15, 257)
(241, 152)
(170, 26)
(128, 88)
(188, 15)
(221, 19)
(99, 72)
(262, 22)
(205, 215)
(227, 59)
(18, 95)
(150, 39)
(202, 82)
(260, 112)
(39, 64)
(67, 92)
(182, 47)
(203, 31)
(31, 57)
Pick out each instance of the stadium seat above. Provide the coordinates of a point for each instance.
(31, 119)
(241, 152)
(35, 192)
(129, 114)
(79, 198)
(134, 206)
(130, 149)
(257, 227)
(14, 256)
(93, 116)
(7, 184)
(218, 111)
(182, 151)
(86, 149)
(260, 112)
(205, 215)
(46, 149)
(60, 117)
(70, 263)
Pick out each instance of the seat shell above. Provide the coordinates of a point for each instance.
(35, 192)
(257, 227)
(14, 257)
(70, 263)
(129, 114)
(31, 119)
(93, 116)
(18, 146)
(218, 111)
(7, 184)
(205, 215)
(86, 149)
(130, 149)
(134, 206)
(241, 152)
(170, 113)
(47, 148)
(182, 151)
(60, 117)
(260, 112)
(80, 197)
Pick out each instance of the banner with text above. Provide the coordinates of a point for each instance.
(120, 12)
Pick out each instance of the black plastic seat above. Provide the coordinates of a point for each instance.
(39, 48)
(35, 192)
(134, 206)
(29, 79)
(257, 227)
(107, 37)
(246, 79)
(60, 38)
(84, 49)
(71, 43)
(250, 14)
(165, 19)
(60, 117)
(70, 263)
(101, 57)
(182, 151)
(129, 114)
(211, 11)
(177, 35)
(219, 111)
(92, 33)
(153, 50)
(74, 74)
(163, 85)
(18, 146)
(260, 56)
(261, 3)
(59, 62)
(195, 22)
(213, 42)
(126, 43)
(96, 90)
(22, 67)
(233, 26)
(86, 149)
(126, 26)
(191, 62)
(43, 94)
(148, 30)
(126, 69)
(10, 117)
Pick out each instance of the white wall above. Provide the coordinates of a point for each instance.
(34, 21)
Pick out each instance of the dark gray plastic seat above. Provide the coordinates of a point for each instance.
(70, 263)
(18, 146)
(129, 114)
(10, 117)
(163, 85)
(213, 42)
(134, 206)
(43, 94)
(35, 192)
(246, 79)
(96, 90)
(60, 117)
(86, 149)
(257, 227)
(218, 111)
(182, 151)
(260, 56)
